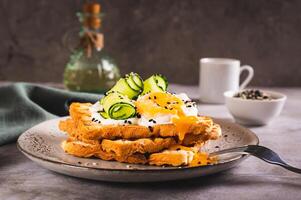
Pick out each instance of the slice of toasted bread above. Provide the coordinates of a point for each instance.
(176, 155)
(83, 149)
(80, 149)
(119, 148)
(193, 140)
(179, 155)
(124, 148)
(82, 127)
(171, 157)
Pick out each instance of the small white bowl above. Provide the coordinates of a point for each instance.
(254, 112)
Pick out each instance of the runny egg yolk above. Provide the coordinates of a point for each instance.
(156, 103)
(184, 124)
(161, 103)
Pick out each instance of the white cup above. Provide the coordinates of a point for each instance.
(218, 75)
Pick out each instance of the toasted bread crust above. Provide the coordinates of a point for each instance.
(82, 149)
(192, 139)
(178, 155)
(124, 148)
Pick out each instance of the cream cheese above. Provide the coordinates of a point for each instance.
(189, 108)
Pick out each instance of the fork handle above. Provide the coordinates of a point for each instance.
(269, 156)
(262, 153)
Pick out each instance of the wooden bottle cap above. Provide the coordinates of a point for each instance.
(92, 8)
(92, 19)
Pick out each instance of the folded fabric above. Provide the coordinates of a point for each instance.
(23, 105)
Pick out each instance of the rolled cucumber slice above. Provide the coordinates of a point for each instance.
(132, 84)
(137, 79)
(118, 106)
(103, 114)
(161, 81)
(122, 86)
(155, 83)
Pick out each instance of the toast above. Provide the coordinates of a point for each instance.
(82, 149)
(156, 145)
(176, 155)
(82, 127)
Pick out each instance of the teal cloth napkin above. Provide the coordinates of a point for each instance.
(23, 105)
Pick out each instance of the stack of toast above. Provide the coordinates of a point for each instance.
(156, 145)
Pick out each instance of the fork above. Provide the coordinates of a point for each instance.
(260, 152)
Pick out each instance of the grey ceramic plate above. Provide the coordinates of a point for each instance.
(42, 145)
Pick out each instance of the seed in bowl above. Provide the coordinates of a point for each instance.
(253, 94)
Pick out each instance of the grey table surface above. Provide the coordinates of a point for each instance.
(21, 178)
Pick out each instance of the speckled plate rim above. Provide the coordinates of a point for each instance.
(154, 169)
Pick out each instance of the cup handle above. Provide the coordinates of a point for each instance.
(249, 77)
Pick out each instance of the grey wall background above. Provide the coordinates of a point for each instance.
(150, 36)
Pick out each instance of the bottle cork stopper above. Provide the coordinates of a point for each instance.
(92, 8)
(92, 19)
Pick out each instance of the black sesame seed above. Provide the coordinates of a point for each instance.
(178, 149)
(155, 97)
(168, 102)
(199, 163)
(150, 120)
(138, 116)
(189, 106)
(165, 107)
(154, 121)
(150, 128)
(129, 122)
(149, 98)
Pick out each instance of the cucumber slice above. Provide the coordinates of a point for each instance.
(161, 81)
(104, 114)
(137, 79)
(132, 84)
(155, 83)
(123, 87)
(118, 106)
